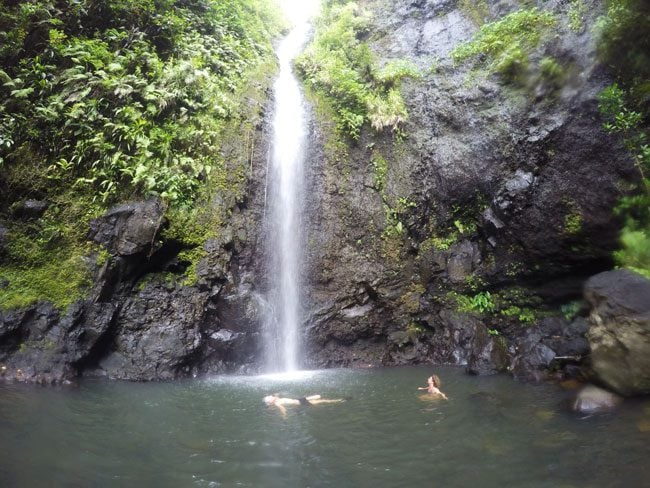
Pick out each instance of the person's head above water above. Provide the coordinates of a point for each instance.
(270, 399)
(433, 380)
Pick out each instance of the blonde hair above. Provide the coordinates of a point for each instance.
(436, 380)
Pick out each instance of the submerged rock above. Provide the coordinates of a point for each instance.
(592, 399)
(619, 333)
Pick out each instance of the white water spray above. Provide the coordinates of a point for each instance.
(285, 195)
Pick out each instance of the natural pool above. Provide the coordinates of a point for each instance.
(493, 432)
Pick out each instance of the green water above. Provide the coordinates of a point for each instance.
(493, 432)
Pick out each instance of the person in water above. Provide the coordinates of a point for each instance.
(433, 387)
(276, 400)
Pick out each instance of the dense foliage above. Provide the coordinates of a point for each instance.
(103, 100)
(125, 95)
(506, 42)
(625, 47)
(339, 65)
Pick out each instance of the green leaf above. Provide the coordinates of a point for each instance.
(22, 93)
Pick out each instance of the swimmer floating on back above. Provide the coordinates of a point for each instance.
(433, 387)
(280, 402)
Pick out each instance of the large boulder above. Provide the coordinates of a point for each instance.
(129, 228)
(619, 333)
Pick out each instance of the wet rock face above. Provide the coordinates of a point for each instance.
(619, 333)
(489, 354)
(554, 344)
(157, 330)
(512, 185)
(157, 334)
(39, 345)
(128, 229)
(422, 28)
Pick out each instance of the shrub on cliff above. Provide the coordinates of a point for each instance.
(125, 96)
(341, 67)
(507, 41)
(625, 47)
(104, 100)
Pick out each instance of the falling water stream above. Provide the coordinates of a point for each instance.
(285, 195)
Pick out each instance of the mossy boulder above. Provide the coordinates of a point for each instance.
(619, 333)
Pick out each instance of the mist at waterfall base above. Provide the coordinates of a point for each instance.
(493, 432)
(283, 223)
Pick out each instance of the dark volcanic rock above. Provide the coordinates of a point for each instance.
(157, 335)
(159, 330)
(567, 339)
(489, 353)
(620, 330)
(30, 209)
(128, 229)
(553, 343)
(506, 186)
(4, 233)
(532, 357)
(456, 340)
(40, 346)
(463, 259)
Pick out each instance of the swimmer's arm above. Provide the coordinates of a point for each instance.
(283, 410)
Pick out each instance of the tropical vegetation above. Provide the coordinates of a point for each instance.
(339, 66)
(625, 105)
(105, 100)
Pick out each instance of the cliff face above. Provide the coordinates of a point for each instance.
(456, 241)
(497, 200)
(128, 134)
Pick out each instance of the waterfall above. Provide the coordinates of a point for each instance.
(285, 176)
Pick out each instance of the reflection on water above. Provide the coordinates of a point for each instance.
(217, 432)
